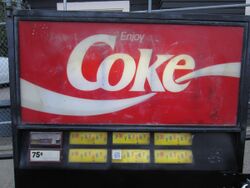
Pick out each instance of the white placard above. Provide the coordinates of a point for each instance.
(247, 10)
(45, 155)
(113, 6)
(45, 138)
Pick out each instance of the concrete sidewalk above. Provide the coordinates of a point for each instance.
(6, 174)
(6, 166)
(246, 165)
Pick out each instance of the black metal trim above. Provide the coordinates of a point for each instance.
(180, 129)
(12, 75)
(164, 16)
(243, 96)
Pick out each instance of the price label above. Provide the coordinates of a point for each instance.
(88, 155)
(88, 138)
(45, 155)
(173, 139)
(131, 138)
(45, 138)
(173, 156)
(130, 156)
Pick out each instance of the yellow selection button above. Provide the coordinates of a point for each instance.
(88, 155)
(130, 156)
(173, 156)
(131, 138)
(173, 139)
(88, 138)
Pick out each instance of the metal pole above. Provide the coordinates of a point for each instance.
(198, 8)
(149, 6)
(65, 5)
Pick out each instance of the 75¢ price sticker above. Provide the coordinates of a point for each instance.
(45, 155)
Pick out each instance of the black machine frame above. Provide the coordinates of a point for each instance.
(19, 129)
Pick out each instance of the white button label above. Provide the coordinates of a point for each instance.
(116, 154)
(45, 156)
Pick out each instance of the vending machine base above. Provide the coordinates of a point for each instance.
(125, 179)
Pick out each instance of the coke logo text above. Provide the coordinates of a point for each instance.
(142, 73)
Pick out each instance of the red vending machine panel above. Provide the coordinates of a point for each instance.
(129, 74)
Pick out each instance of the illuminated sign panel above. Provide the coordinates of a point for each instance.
(131, 138)
(87, 155)
(88, 138)
(121, 73)
(131, 156)
(173, 156)
(173, 139)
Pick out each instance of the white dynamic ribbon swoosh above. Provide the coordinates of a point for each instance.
(227, 69)
(43, 100)
(40, 99)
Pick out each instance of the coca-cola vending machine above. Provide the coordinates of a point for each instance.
(122, 99)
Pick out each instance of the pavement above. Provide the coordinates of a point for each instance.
(246, 165)
(6, 166)
(6, 174)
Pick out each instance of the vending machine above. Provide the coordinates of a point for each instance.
(128, 99)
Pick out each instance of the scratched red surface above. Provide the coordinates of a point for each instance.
(45, 48)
